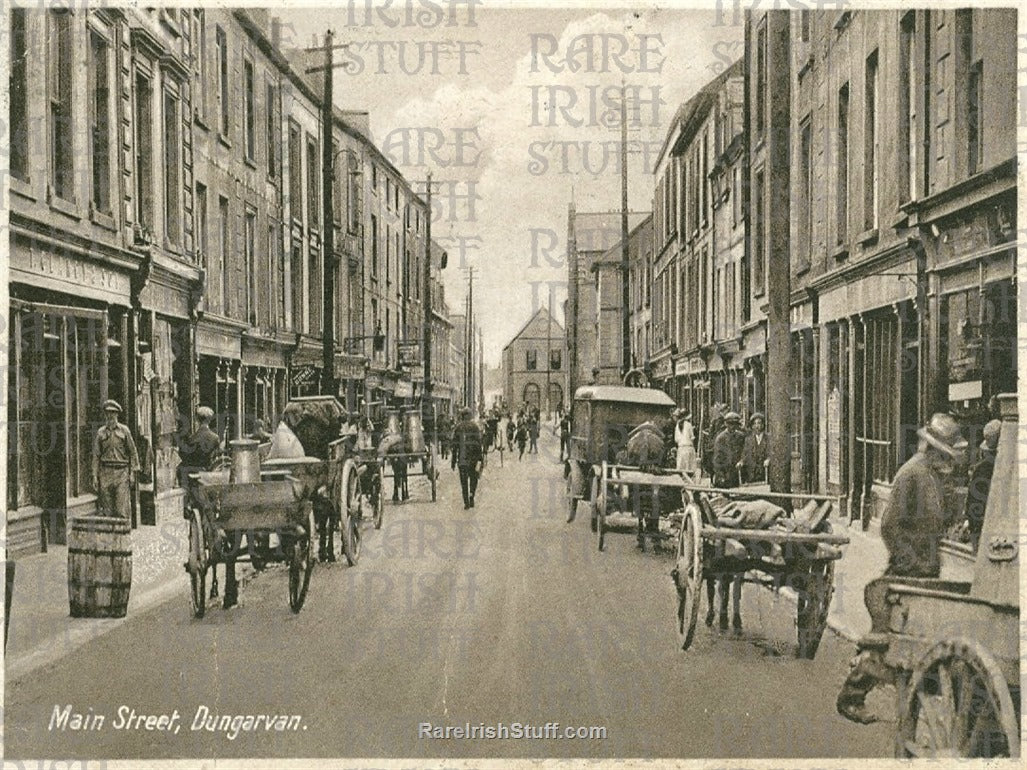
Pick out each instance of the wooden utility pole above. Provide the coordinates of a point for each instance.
(469, 341)
(428, 408)
(625, 264)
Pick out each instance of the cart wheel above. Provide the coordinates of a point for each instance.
(814, 601)
(350, 518)
(197, 565)
(687, 575)
(301, 564)
(957, 704)
(599, 485)
(378, 497)
(593, 511)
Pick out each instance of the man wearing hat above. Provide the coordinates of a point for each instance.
(200, 449)
(912, 527)
(115, 463)
(467, 455)
(727, 452)
(980, 482)
(754, 452)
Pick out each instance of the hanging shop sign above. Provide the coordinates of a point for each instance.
(409, 353)
(404, 389)
(349, 367)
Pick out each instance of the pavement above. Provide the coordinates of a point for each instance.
(42, 630)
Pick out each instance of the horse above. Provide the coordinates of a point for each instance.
(394, 448)
(717, 584)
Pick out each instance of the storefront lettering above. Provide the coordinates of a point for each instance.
(48, 263)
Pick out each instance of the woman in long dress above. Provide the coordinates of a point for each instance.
(684, 438)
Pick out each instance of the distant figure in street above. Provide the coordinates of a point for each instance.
(754, 451)
(511, 429)
(912, 527)
(533, 434)
(200, 449)
(684, 439)
(521, 437)
(565, 436)
(727, 452)
(115, 464)
(467, 455)
(980, 482)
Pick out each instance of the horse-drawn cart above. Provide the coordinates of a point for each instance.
(405, 446)
(636, 498)
(272, 515)
(783, 540)
(953, 648)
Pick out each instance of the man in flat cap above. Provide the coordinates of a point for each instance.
(727, 452)
(199, 450)
(115, 463)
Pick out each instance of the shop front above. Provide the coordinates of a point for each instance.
(264, 382)
(69, 330)
(350, 371)
(219, 351)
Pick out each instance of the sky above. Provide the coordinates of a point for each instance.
(515, 110)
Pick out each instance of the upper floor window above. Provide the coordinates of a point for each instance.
(871, 154)
(172, 165)
(531, 360)
(555, 359)
(144, 151)
(295, 172)
(100, 122)
(249, 110)
(272, 132)
(221, 46)
(18, 91)
(59, 71)
(313, 205)
(761, 80)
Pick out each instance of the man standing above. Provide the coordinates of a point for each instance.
(467, 455)
(115, 463)
(727, 452)
(533, 433)
(565, 436)
(980, 482)
(912, 527)
(754, 451)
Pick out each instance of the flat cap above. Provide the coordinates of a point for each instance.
(110, 405)
(205, 413)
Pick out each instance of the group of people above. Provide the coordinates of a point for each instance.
(728, 454)
(522, 430)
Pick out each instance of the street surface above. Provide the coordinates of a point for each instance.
(502, 613)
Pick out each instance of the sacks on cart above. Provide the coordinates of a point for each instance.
(747, 514)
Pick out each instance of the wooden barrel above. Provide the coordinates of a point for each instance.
(99, 566)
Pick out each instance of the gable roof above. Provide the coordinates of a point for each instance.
(542, 312)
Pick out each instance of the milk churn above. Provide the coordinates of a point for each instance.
(245, 461)
(414, 430)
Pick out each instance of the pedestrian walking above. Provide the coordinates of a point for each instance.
(565, 436)
(684, 439)
(755, 458)
(521, 437)
(115, 464)
(200, 449)
(467, 455)
(727, 452)
(511, 429)
(533, 434)
(912, 527)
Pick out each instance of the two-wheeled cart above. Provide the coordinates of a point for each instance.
(629, 498)
(789, 544)
(271, 516)
(953, 648)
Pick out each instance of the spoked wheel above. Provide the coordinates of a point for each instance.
(687, 575)
(377, 496)
(957, 704)
(301, 563)
(197, 565)
(811, 614)
(350, 517)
